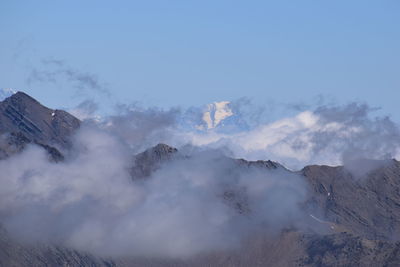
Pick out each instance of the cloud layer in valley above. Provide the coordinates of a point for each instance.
(200, 201)
(89, 201)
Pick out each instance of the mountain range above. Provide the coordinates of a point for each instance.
(358, 220)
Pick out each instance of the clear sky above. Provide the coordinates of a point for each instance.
(169, 53)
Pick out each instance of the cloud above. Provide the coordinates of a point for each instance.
(358, 134)
(201, 201)
(142, 127)
(198, 203)
(85, 110)
(56, 70)
(329, 134)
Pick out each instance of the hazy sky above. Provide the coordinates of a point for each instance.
(169, 53)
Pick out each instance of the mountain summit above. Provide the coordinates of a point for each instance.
(214, 114)
(20, 113)
(6, 92)
(24, 120)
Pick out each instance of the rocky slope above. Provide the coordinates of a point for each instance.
(150, 160)
(367, 205)
(14, 254)
(24, 120)
(360, 211)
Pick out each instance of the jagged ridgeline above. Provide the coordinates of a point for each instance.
(349, 221)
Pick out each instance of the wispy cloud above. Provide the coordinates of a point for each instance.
(56, 70)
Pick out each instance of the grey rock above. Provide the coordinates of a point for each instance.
(368, 206)
(23, 120)
(150, 160)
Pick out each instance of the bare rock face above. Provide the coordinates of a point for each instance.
(368, 205)
(24, 120)
(344, 249)
(22, 113)
(260, 164)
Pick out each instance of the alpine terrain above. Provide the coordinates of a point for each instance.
(345, 218)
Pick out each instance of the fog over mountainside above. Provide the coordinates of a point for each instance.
(141, 188)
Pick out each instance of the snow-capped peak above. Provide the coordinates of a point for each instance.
(215, 113)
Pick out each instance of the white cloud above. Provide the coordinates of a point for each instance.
(90, 203)
(325, 136)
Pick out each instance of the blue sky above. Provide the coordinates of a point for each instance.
(184, 53)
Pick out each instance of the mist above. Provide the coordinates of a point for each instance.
(200, 201)
(189, 206)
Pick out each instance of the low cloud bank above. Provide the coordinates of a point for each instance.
(331, 135)
(327, 134)
(197, 203)
(201, 201)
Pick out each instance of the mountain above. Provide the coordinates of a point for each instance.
(367, 206)
(21, 113)
(14, 254)
(6, 92)
(150, 160)
(359, 210)
(220, 116)
(214, 114)
(24, 120)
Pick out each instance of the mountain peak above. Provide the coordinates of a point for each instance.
(151, 159)
(164, 149)
(215, 113)
(20, 113)
(6, 92)
(21, 97)
(20, 94)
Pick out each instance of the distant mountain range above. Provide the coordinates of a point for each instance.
(360, 218)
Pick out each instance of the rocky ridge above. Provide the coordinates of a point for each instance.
(362, 212)
(23, 120)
